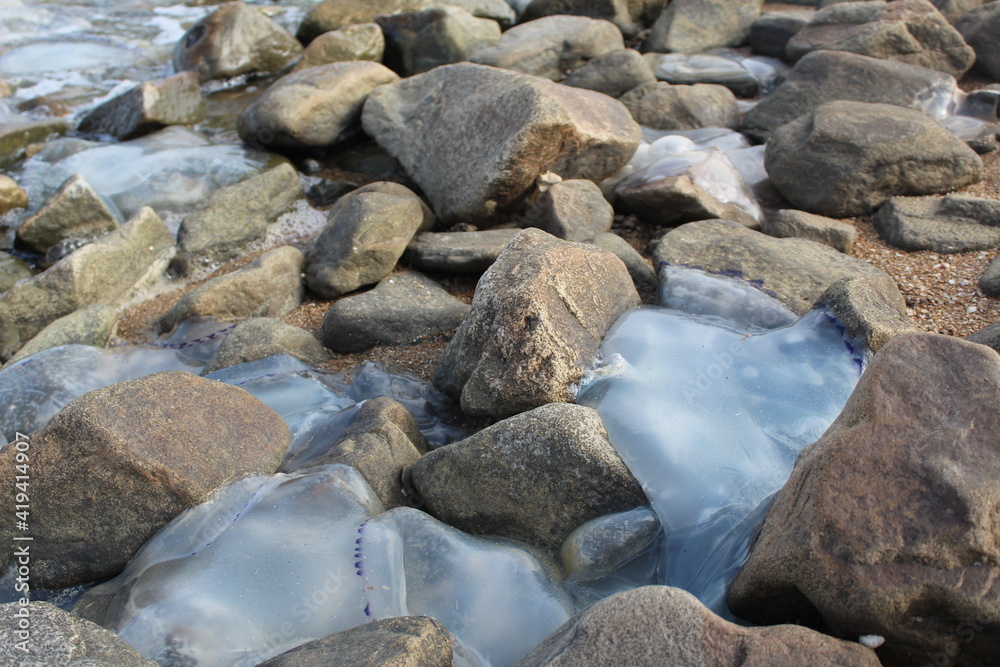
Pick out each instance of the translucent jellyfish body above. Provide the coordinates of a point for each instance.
(273, 562)
(710, 410)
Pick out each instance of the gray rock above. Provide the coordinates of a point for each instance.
(935, 223)
(657, 625)
(364, 237)
(643, 275)
(825, 76)
(663, 106)
(979, 29)
(989, 282)
(574, 210)
(954, 9)
(117, 464)
(910, 31)
(552, 46)
(175, 100)
(54, 637)
(538, 316)
(316, 108)
(333, 14)
(382, 440)
(901, 487)
(75, 211)
(865, 311)
(534, 477)
(770, 33)
(235, 39)
(102, 272)
(618, 12)
(420, 41)
(12, 270)
(269, 286)
(17, 136)
(362, 41)
(988, 335)
(534, 126)
(695, 186)
(613, 74)
(12, 196)
(457, 252)
(427, 223)
(693, 26)
(91, 325)
(402, 309)
(788, 223)
(796, 270)
(262, 337)
(405, 641)
(238, 215)
(846, 158)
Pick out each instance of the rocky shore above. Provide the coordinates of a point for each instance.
(496, 332)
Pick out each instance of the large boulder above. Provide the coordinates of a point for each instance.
(235, 39)
(796, 270)
(552, 46)
(404, 641)
(888, 523)
(103, 272)
(366, 233)
(75, 211)
(316, 108)
(663, 106)
(910, 31)
(979, 28)
(826, 76)
(334, 14)
(505, 129)
(846, 158)
(117, 464)
(657, 625)
(175, 100)
(538, 317)
(534, 477)
(39, 633)
(270, 286)
(402, 309)
(693, 26)
(232, 217)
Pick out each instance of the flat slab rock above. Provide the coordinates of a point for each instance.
(798, 271)
(457, 252)
(945, 225)
(403, 308)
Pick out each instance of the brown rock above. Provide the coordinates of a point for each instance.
(888, 522)
(657, 625)
(538, 316)
(117, 464)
